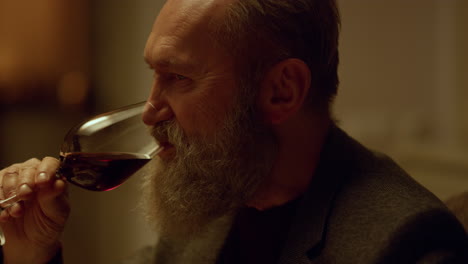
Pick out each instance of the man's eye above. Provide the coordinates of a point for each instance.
(179, 77)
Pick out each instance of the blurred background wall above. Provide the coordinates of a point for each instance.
(403, 73)
(404, 85)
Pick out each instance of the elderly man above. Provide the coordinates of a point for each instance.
(253, 169)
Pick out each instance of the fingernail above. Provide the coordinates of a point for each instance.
(25, 189)
(42, 177)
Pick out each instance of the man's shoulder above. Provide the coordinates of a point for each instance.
(370, 179)
(379, 210)
(384, 190)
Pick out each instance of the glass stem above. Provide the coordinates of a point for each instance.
(8, 202)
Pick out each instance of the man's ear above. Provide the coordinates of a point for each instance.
(283, 90)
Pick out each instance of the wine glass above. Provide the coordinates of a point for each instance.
(104, 151)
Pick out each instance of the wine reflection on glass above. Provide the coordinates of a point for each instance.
(104, 151)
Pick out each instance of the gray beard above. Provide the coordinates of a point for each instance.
(209, 178)
(202, 248)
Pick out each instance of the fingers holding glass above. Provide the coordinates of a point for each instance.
(17, 183)
(26, 183)
(26, 177)
(46, 171)
(25, 187)
(9, 181)
(8, 184)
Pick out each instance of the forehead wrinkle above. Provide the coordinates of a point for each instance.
(157, 51)
(172, 64)
(163, 58)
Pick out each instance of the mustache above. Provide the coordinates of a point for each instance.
(168, 132)
(161, 132)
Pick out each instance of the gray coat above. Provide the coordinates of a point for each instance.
(363, 208)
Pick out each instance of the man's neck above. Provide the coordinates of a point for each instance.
(300, 145)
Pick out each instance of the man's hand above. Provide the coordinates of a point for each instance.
(33, 226)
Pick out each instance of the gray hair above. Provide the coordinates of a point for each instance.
(261, 33)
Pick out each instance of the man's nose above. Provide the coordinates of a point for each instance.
(156, 112)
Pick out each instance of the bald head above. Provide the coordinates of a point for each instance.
(179, 15)
(183, 23)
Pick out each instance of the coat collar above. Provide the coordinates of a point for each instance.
(307, 234)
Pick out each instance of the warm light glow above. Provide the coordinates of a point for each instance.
(43, 51)
(73, 88)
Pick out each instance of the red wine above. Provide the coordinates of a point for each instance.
(100, 171)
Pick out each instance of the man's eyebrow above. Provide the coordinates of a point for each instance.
(170, 64)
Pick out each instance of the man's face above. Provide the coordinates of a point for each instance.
(219, 151)
(194, 80)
